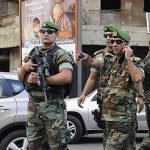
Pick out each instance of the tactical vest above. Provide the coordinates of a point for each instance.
(52, 56)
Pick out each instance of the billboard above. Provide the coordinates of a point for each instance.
(34, 12)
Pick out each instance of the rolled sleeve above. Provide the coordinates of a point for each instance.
(142, 70)
(94, 70)
(101, 61)
(65, 65)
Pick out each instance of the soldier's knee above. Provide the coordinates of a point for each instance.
(36, 145)
(63, 147)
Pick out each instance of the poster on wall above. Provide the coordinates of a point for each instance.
(34, 12)
(148, 22)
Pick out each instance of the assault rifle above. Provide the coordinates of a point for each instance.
(39, 58)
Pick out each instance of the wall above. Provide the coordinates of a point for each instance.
(130, 17)
(13, 63)
(9, 31)
(9, 34)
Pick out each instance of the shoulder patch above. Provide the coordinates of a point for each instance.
(63, 56)
(136, 59)
(98, 52)
(108, 54)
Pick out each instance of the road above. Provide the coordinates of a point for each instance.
(94, 142)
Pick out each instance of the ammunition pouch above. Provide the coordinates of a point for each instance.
(97, 117)
(97, 113)
(34, 97)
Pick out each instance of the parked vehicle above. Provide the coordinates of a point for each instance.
(13, 111)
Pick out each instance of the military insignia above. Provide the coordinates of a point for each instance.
(44, 24)
(105, 29)
(115, 33)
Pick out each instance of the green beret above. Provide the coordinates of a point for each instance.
(111, 27)
(49, 24)
(124, 35)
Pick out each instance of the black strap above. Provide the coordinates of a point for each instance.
(146, 58)
(52, 51)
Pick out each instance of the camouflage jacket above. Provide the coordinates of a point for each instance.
(119, 95)
(55, 57)
(146, 82)
(102, 75)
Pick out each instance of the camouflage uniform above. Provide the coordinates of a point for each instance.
(145, 145)
(109, 28)
(119, 106)
(46, 124)
(101, 85)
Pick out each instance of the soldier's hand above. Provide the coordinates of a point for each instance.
(29, 66)
(81, 100)
(128, 52)
(82, 56)
(140, 103)
(32, 78)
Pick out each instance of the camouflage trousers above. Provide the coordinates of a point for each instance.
(145, 145)
(105, 137)
(46, 125)
(121, 135)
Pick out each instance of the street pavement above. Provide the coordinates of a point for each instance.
(94, 142)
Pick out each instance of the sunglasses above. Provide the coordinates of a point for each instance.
(108, 35)
(49, 31)
(117, 41)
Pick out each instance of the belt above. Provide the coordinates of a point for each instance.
(50, 96)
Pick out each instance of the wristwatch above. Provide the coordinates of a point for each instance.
(141, 96)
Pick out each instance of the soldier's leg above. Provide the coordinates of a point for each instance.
(145, 145)
(106, 131)
(55, 125)
(118, 136)
(132, 136)
(34, 128)
(39, 144)
(105, 136)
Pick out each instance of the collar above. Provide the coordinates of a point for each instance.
(45, 50)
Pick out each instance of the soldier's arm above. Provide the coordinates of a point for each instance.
(88, 60)
(26, 67)
(136, 74)
(87, 88)
(61, 78)
(140, 97)
(89, 83)
(64, 76)
(21, 74)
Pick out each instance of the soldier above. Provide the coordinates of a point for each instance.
(119, 105)
(108, 30)
(145, 145)
(46, 122)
